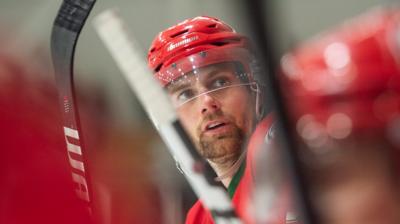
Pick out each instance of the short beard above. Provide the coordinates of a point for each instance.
(222, 149)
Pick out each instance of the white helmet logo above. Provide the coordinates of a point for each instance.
(182, 42)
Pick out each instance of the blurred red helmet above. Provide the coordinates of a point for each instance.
(347, 80)
(194, 43)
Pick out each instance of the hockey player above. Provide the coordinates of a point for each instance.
(343, 91)
(208, 70)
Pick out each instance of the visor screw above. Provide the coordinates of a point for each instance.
(173, 65)
(203, 54)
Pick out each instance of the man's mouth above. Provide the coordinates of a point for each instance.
(214, 125)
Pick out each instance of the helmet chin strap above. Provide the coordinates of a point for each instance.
(233, 169)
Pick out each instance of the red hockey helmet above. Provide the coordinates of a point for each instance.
(195, 43)
(347, 80)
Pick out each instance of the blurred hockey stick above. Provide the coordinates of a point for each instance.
(261, 23)
(158, 107)
(67, 26)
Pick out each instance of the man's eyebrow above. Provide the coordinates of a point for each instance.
(215, 72)
(179, 84)
(212, 73)
(175, 87)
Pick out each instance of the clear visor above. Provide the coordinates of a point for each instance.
(210, 72)
(215, 80)
(173, 71)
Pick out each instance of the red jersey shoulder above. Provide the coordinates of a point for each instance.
(255, 144)
(263, 132)
(199, 215)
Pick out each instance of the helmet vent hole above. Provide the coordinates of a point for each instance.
(179, 33)
(212, 25)
(158, 68)
(220, 43)
(153, 49)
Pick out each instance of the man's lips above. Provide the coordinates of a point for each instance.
(215, 126)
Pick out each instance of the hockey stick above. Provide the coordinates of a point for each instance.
(66, 29)
(156, 103)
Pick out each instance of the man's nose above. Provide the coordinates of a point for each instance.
(209, 104)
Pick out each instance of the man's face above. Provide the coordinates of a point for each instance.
(219, 120)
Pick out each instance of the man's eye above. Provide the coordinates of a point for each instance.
(185, 95)
(220, 82)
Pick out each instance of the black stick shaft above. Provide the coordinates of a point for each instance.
(261, 24)
(66, 29)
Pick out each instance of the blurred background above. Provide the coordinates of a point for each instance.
(131, 169)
